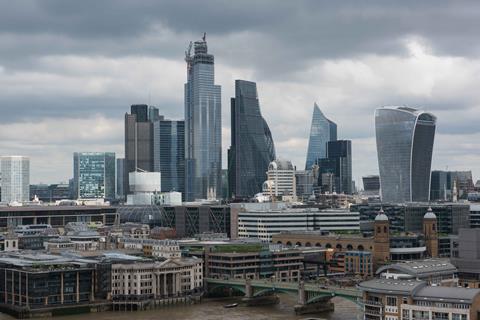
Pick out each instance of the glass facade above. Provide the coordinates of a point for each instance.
(120, 174)
(94, 175)
(252, 147)
(15, 179)
(203, 128)
(404, 147)
(341, 152)
(138, 141)
(321, 131)
(169, 154)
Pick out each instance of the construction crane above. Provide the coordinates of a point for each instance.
(188, 51)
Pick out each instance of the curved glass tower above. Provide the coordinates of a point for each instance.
(404, 147)
(203, 127)
(252, 146)
(321, 131)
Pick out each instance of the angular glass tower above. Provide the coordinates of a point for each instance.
(404, 146)
(321, 131)
(252, 147)
(203, 127)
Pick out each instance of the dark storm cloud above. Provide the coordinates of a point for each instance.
(87, 59)
(298, 30)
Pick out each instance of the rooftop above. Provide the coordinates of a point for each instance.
(404, 287)
(447, 294)
(421, 268)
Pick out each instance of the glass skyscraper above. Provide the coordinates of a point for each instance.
(15, 179)
(404, 146)
(138, 141)
(203, 127)
(252, 147)
(120, 175)
(321, 131)
(335, 171)
(94, 175)
(169, 154)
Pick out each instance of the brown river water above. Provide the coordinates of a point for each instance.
(214, 310)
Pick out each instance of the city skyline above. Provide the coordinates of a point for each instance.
(71, 96)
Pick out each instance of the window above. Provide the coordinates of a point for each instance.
(391, 301)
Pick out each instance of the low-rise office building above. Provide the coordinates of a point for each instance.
(466, 257)
(407, 217)
(138, 280)
(38, 281)
(168, 249)
(55, 216)
(187, 220)
(262, 220)
(394, 299)
(254, 261)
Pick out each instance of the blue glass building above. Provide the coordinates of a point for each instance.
(321, 131)
(94, 175)
(252, 147)
(203, 127)
(169, 154)
(404, 146)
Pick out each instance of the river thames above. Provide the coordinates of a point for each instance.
(214, 310)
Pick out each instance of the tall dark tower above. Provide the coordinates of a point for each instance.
(138, 142)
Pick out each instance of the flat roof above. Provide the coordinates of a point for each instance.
(447, 294)
(55, 208)
(391, 286)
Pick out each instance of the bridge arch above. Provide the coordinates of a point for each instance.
(214, 287)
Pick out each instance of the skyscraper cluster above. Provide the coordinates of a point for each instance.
(187, 155)
(329, 158)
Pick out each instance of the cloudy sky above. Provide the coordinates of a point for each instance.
(69, 70)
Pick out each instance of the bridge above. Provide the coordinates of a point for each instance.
(312, 297)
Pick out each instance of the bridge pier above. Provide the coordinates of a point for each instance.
(251, 300)
(322, 304)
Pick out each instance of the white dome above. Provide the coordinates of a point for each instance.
(429, 214)
(381, 216)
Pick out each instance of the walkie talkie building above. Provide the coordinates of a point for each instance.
(404, 146)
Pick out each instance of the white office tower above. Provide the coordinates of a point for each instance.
(143, 187)
(15, 179)
(280, 184)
